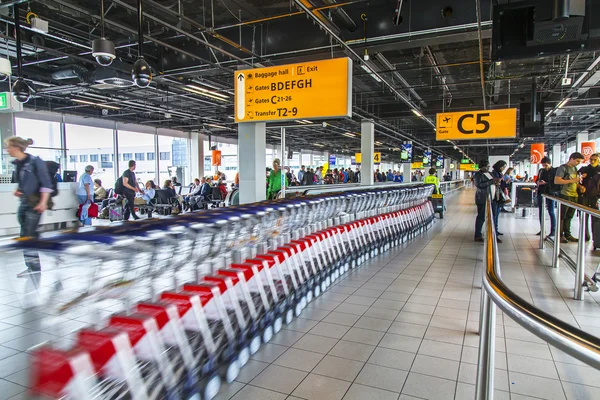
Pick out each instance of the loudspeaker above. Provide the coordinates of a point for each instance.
(528, 125)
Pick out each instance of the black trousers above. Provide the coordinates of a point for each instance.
(479, 220)
(129, 207)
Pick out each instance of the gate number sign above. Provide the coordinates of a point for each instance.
(473, 125)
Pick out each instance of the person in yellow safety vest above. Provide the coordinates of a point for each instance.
(433, 179)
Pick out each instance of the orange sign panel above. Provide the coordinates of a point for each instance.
(216, 158)
(472, 125)
(317, 89)
(537, 153)
(587, 149)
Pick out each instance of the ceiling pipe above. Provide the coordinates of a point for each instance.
(478, 10)
(195, 24)
(441, 77)
(381, 58)
(358, 58)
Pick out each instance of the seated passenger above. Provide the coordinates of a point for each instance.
(168, 185)
(194, 191)
(147, 194)
(223, 188)
(99, 191)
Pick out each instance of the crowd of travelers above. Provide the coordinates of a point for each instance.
(581, 186)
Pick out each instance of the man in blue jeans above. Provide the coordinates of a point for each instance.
(483, 181)
(545, 175)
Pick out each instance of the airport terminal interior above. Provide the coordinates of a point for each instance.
(302, 199)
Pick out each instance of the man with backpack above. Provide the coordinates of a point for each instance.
(127, 185)
(568, 178)
(35, 187)
(590, 175)
(545, 185)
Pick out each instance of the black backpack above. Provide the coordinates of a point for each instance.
(119, 187)
(553, 188)
(52, 168)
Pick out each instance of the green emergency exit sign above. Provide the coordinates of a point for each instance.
(4, 100)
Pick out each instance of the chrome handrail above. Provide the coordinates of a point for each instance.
(317, 189)
(494, 292)
(580, 279)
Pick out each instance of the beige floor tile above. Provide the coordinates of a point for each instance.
(360, 392)
(352, 350)
(279, 379)
(338, 368)
(382, 377)
(318, 387)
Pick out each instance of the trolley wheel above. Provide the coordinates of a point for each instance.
(213, 385)
(346, 267)
(309, 296)
(254, 344)
(244, 356)
(232, 371)
(267, 334)
(317, 290)
(297, 309)
(324, 285)
(289, 316)
(277, 324)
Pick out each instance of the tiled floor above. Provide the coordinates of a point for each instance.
(401, 327)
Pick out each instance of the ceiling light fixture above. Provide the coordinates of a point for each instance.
(416, 112)
(217, 126)
(562, 103)
(90, 103)
(20, 89)
(201, 89)
(141, 72)
(203, 94)
(103, 50)
(369, 71)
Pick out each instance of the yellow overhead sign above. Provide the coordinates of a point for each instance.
(376, 158)
(468, 167)
(317, 89)
(471, 125)
(416, 165)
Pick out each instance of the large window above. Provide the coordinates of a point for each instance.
(139, 156)
(150, 156)
(173, 159)
(47, 142)
(133, 142)
(84, 140)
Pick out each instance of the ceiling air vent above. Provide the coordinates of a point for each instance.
(116, 82)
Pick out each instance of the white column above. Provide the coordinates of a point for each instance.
(406, 172)
(7, 129)
(556, 155)
(252, 139)
(581, 137)
(367, 148)
(197, 155)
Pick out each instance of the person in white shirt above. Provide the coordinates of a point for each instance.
(194, 191)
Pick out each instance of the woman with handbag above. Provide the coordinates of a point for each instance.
(34, 187)
(85, 194)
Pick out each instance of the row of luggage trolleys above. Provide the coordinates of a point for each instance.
(273, 259)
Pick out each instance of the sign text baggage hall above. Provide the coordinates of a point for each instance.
(318, 89)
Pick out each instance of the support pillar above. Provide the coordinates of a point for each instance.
(556, 155)
(197, 155)
(367, 149)
(251, 158)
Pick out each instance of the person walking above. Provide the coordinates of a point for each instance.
(34, 187)
(568, 179)
(500, 192)
(85, 192)
(486, 185)
(590, 175)
(545, 182)
(274, 185)
(130, 188)
(301, 174)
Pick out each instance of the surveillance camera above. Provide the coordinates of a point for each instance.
(103, 51)
(141, 73)
(5, 69)
(105, 111)
(21, 91)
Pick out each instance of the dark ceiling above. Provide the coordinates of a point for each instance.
(428, 61)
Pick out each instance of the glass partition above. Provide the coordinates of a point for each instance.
(131, 143)
(88, 145)
(46, 136)
(173, 159)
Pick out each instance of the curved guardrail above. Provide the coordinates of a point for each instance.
(573, 341)
(445, 186)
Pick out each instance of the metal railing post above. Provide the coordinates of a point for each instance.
(542, 222)
(557, 236)
(580, 271)
(487, 349)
